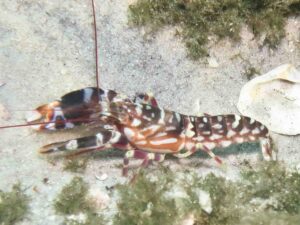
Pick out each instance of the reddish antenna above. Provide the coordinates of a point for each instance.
(96, 44)
(45, 123)
(22, 125)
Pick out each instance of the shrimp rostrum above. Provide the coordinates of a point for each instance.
(143, 129)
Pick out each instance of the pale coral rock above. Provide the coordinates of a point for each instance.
(274, 100)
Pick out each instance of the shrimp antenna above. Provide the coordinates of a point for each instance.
(48, 122)
(96, 44)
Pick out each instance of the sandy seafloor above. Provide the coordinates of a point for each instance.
(46, 50)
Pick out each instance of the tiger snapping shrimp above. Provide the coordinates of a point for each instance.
(140, 127)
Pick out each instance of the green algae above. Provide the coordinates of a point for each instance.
(76, 165)
(13, 205)
(267, 194)
(272, 180)
(72, 201)
(269, 218)
(198, 20)
(250, 72)
(143, 202)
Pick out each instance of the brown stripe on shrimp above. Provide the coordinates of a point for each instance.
(174, 122)
(203, 126)
(218, 125)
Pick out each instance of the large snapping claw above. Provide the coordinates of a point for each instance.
(48, 117)
(73, 109)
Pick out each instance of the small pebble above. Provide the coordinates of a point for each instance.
(212, 62)
(102, 177)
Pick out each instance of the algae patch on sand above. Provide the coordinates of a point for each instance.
(73, 203)
(13, 205)
(143, 202)
(270, 192)
(76, 165)
(198, 20)
(165, 198)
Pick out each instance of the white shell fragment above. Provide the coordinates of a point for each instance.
(274, 100)
(102, 177)
(205, 201)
